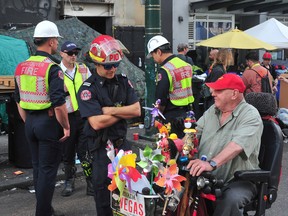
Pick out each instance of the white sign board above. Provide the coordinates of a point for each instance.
(131, 204)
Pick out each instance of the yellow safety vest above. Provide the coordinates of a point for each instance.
(180, 78)
(72, 86)
(32, 79)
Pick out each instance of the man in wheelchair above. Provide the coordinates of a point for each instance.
(230, 136)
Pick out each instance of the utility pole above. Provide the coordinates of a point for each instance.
(152, 28)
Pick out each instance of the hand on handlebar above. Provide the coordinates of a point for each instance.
(198, 166)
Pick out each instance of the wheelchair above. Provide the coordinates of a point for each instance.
(270, 155)
(267, 178)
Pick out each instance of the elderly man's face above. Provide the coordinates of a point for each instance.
(223, 98)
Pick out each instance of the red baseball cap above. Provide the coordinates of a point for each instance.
(267, 55)
(228, 81)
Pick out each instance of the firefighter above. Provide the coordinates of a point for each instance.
(40, 98)
(174, 83)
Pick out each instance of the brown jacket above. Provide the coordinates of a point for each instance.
(253, 81)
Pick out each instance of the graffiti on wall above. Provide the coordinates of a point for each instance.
(20, 11)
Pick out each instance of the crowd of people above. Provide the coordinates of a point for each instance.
(68, 109)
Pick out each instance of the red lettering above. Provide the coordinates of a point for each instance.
(114, 57)
(29, 71)
(141, 212)
(130, 205)
(135, 207)
(121, 202)
(125, 204)
(182, 73)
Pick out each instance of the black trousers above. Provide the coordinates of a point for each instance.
(43, 133)
(100, 180)
(77, 142)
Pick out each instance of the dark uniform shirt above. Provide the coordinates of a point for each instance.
(97, 92)
(55, 80)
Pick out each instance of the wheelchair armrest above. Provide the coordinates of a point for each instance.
(253, 175)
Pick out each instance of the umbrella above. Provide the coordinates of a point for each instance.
(236, 39)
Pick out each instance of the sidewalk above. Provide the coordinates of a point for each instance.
(10, 180)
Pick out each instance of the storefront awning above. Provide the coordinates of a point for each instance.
(280, 6)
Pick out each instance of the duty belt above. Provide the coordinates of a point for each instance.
(76, 113)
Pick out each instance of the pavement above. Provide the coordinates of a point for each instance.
(12, 176)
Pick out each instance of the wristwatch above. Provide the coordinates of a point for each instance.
(213, 164)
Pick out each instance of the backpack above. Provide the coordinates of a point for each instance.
(265, 83)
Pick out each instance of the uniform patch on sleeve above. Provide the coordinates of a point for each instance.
(85, 95)
(124, 75)
(61, 74)
(129, 82)
(159, 77)
(87, 84)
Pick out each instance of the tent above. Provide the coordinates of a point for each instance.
(271, 31)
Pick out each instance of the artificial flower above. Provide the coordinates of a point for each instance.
(122, 170)
(170, 179)
(150, 160)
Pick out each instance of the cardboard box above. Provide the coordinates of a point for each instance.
(7, 82)
(283, 96)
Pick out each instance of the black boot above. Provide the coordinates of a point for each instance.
(89, 189)
(69, 171)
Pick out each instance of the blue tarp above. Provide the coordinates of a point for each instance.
(12, 52)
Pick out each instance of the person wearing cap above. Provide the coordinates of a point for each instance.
(40, 98)
(254, 73)
(174, 83)
(74, 75)
(106, 100)
(182, 49)
(230, 132)
(266, 63)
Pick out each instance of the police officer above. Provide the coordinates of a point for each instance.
(106, 100)
(74, 75)
(40, 98)
(174, 83)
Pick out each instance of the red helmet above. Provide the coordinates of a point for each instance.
(105, 49)
(267, 55)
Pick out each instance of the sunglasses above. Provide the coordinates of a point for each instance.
(71, 53)
(267, 59)
(109, 66)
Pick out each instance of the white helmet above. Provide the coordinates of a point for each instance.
(156, 42)
(46, 29)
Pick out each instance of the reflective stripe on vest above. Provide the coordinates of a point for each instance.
(32, 79)
(180, 78)
(72, 86)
